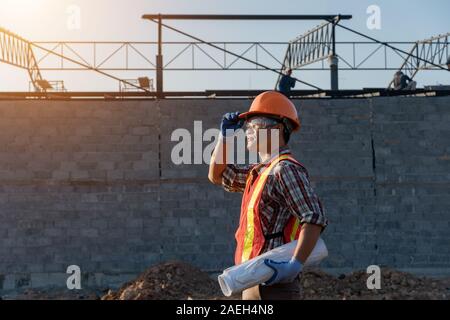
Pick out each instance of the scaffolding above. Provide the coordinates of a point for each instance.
(425, 55)
(308, 52)
(18, 52)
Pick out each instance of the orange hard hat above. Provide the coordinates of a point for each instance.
(273, 103)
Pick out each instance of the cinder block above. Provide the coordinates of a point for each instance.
(141, 131)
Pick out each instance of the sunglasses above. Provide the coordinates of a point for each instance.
(260, 123)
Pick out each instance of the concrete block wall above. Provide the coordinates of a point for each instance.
(335, 146)
(412, 148)
(92, 183)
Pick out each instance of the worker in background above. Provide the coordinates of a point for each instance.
(448, 63)
(278, 205)
(287, 82)
(403, 82)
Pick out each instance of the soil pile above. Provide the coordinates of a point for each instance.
(394, 285)
(168, 281)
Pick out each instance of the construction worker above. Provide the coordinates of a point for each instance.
(286, 83)
(403, 82)
(279, 205)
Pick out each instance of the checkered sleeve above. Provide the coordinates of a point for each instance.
(294, 186)
(234, 177)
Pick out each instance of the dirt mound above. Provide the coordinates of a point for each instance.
(168, 281)
(181, 281)
(394, 285)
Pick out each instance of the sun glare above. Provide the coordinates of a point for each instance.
(24, 16)
(19, 7)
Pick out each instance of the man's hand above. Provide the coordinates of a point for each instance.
(230, 123)
(284, 272)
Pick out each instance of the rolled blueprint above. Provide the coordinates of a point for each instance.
(254, 272)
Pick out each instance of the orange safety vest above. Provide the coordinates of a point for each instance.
(249, 236)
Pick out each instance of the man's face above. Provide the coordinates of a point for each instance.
(260, 132)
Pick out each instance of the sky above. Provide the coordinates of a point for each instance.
(120, 20)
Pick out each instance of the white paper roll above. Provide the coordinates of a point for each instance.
(254, 272)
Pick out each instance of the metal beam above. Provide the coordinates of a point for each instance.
(313, 46)
(159, 62)
(334, 61)
(211, 94)
(347, 56)
(428, 51)
(391, 47)
(17, 51)
(244, 17)
(87, 67)
(158, 21)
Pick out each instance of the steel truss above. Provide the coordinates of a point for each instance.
(309, 49)
(425, 55)
(16, 51)
(354, 55)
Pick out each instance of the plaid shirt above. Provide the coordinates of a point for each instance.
(287, 191)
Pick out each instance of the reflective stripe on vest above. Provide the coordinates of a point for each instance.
(295, 229)
(250, 233)
(248, 245)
